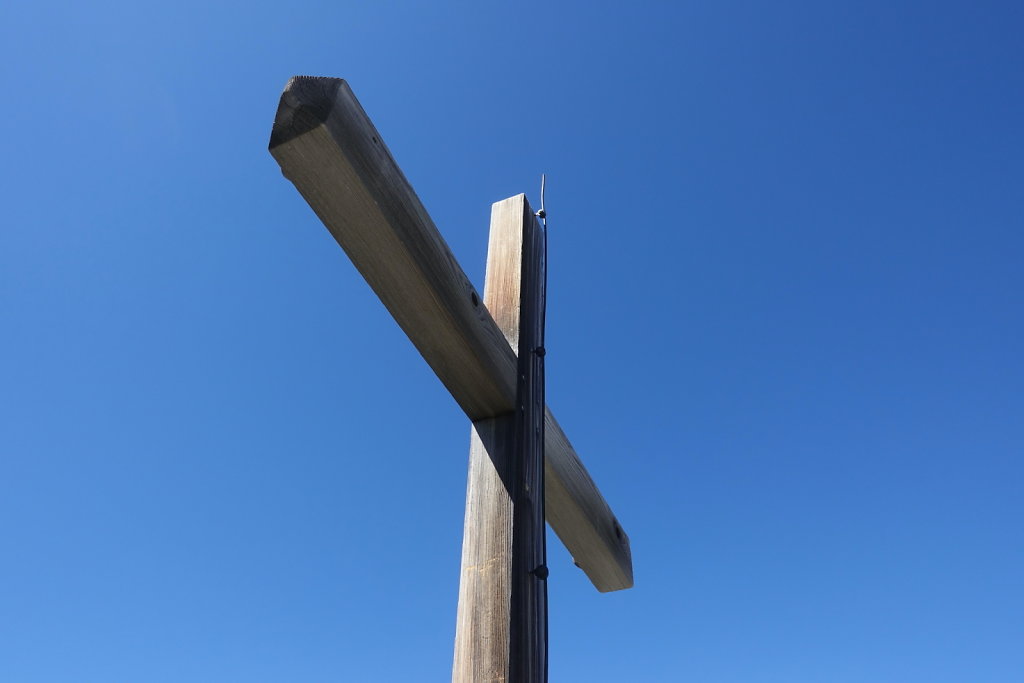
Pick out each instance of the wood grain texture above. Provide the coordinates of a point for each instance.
(328, 148)
(331, 151)
(503, 584)
(485, 638)
(582, 520)
(514, 294)
(485, 587)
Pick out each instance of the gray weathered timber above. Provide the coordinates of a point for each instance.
(501, 629)
(485, 588)
(483, 623)
(579, 515)
(328, 148)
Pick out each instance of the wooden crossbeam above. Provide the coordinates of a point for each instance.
(330, 150)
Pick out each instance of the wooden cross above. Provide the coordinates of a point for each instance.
(487, 352)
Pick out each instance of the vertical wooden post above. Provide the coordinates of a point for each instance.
(501, 630)
(528, 646)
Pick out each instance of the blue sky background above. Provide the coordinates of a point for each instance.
(785, 335)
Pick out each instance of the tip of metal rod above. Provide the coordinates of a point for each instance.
(543, 186)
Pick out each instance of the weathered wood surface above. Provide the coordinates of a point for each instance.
(328, 148)
(486, 637)
(501, 629)
(485, 584)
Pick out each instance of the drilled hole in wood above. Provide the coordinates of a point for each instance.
(618, 531)
(474, 298)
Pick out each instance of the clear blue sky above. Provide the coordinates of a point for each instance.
(785, 335)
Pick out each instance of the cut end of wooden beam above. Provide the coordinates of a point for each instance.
(623, 577)
(605, 576)
(306, 102)
(579, 515)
